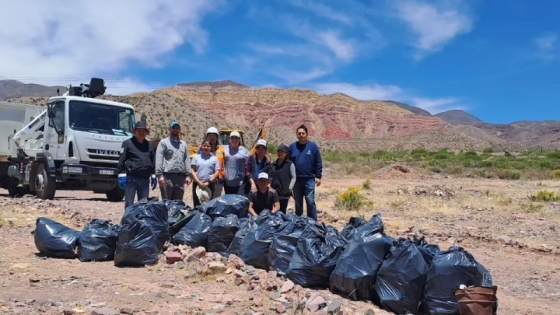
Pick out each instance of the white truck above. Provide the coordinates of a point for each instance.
(72, 143)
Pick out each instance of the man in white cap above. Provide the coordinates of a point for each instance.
(263, 197)
(256, 164)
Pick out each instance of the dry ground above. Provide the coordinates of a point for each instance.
(517, 240)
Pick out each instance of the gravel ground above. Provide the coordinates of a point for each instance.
(520, 248)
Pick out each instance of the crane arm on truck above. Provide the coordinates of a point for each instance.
(29, 138)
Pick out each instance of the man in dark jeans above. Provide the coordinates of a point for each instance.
(263, 197)
(307, 159)
(137, 165)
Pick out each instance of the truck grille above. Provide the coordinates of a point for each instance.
(101, 154)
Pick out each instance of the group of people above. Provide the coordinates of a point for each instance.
(222, 168)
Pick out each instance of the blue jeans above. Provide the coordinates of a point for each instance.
(305, 187)
(136, 186)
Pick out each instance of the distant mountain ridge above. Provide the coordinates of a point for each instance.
(13, 88)
(335, 121)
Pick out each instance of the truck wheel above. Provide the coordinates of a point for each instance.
(45, 187)
(115, 195)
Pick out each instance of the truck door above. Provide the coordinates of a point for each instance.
(55, 130)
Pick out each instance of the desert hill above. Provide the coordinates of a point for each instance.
(458, 117)
(13, 88)
(336, 121)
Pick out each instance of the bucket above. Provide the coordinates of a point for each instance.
(477, 300)
(476, 307)
(476, 293)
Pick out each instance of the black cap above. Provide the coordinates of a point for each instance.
(141, 125)
(284, 148)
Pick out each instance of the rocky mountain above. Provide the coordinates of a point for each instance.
(459, 117)
(335, 121)
(13, 88)
(410, 108)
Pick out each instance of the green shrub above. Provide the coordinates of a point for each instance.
(488, 150)
(350, 199)
(366, 185)
(545, 195)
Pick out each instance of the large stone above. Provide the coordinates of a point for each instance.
(315, 303)
(195, 254)
(173, 257)
(287, 286)
(334, 308)
(216, 267)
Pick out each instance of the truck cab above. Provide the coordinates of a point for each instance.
(74, 145)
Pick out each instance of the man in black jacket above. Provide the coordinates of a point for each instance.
(137, 165)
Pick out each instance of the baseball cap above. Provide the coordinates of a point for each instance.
(212, 130)
(263, 176)
(234, 134)
(261, 142)
(174, 123)
(283, 148)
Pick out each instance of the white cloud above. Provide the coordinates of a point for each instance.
(390, 92)
(435, 26)
(547, 46)
(127, 86)
(361, 92)
(58, 40)
(343, 49)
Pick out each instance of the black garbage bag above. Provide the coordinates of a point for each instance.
(225, 205)
(317, 252)
(284, 242)
(428, 250)
(175, 210)
(98, 241)
(55, 239)
(353, 224)
(254, 247)
(221, 233)
(154, 213)
(195, 232)
(246, 225)
(401, 278)
(448, 271)
(137, 245)
(356, 270)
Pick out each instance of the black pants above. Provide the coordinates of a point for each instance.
(284, 204)
(196, 202)
(234, 190)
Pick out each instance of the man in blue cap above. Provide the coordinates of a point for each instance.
(173, 164)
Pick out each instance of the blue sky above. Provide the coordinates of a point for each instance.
(498, 60)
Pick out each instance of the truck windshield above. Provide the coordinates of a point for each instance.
(100, 118)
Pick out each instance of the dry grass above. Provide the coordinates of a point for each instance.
(498, 207)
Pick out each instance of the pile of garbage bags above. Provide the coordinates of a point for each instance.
(360, 262)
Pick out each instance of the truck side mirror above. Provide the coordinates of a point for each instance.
(50, 112)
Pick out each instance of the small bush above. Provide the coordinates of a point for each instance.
(350, 199)
(545, 195)
(556, 173)
(366, 185)
(488, 150)
(531, 207)
(507, 174)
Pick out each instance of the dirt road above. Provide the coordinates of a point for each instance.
(517, 240)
